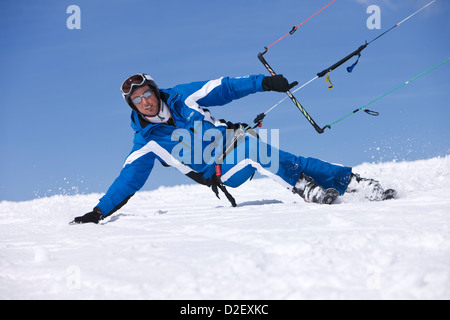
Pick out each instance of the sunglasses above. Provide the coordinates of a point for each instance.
(146, 94)
(134, 80)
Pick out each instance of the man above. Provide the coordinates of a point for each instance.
(159, 115)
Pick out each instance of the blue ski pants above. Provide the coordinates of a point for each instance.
(283, 167)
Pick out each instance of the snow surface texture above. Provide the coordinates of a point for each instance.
(183, 243)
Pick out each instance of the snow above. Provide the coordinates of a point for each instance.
(184, 243)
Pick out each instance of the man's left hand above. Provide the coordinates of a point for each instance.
(277, 83)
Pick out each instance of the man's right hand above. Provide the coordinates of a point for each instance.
(91, 217)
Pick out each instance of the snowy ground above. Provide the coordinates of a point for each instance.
(183, 243)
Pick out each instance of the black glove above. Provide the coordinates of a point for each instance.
(277, 83)
(91, 217)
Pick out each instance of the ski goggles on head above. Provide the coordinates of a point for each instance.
(134, 80)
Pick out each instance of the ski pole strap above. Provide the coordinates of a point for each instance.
(371, 112)
(350, 69)
(329, 84)
(342, 61)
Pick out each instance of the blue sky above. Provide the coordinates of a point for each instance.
(65, 129)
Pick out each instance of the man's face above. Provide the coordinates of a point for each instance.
(148, 106)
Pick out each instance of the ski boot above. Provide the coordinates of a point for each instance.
(310, 191)
(370, 188)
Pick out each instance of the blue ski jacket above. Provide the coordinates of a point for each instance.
(157, 142)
